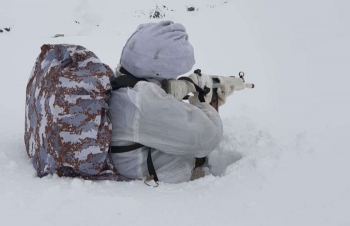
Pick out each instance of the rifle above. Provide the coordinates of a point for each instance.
(239, 84)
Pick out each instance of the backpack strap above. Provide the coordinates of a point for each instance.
(128, 80)
(125, 81)
(122, 149)
(150, 166)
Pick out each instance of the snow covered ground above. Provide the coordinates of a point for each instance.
(284, 158)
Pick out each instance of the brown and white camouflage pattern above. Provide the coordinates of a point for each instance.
(67, 129)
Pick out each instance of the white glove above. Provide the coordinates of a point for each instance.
(228, 85)
(202, 81)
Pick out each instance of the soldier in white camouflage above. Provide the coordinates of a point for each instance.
(172, 132)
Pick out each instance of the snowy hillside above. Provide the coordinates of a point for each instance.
(284, 158)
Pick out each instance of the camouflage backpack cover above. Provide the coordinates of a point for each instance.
(67, 129)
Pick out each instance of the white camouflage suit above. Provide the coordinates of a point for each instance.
(176, 131)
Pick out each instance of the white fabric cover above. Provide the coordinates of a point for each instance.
(202, 81)
(158, 50)
(228, 85)
(175, 130)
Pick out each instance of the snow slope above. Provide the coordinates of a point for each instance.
(284, 158)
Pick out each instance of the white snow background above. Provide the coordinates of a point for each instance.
(284, 158)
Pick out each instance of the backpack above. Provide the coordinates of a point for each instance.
(67, 129)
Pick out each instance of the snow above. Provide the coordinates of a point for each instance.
(284, 158)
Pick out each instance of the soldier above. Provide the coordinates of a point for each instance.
(154, 133)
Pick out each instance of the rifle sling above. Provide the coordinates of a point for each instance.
(201, 92)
